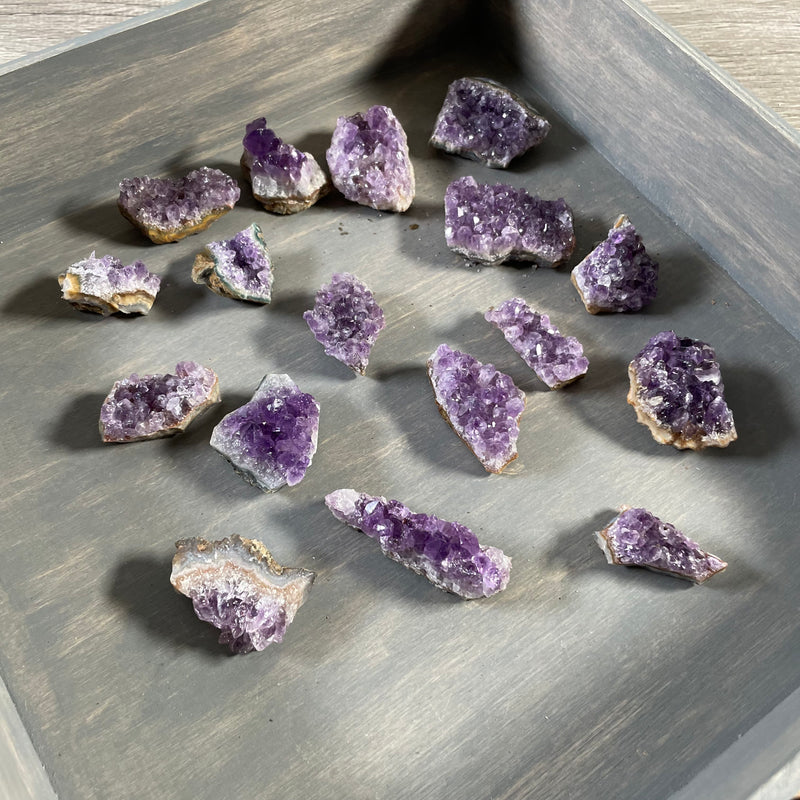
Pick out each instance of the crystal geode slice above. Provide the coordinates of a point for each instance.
(637, 538)
(104, 286)
(167, 209)
(285, 180)
(346, 320)
(481, 404)
(448, 554)
(556, 359)
(618, 275)
(677, 392)
(481, 119)
(270, 440)
(369, 160)
(239, 268)
(237, 586)
(500, 223)
(153, 406)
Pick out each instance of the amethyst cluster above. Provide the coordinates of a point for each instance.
(500, 223)
(448, 554)
(677, 391)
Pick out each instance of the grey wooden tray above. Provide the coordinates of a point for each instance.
(580, 679)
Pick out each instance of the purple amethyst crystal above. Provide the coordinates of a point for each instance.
(677, 391)
(637, 538)
(483, 120)
(152, 406)
(239, 268)
(271, 440)
(285, 180)
(369, 161)
(482, 405)
(556, 359)
(617, 275)
(167, 209)
(346, 320)
(448, 554)
(105, 286)
(500, 223)
(237, 586)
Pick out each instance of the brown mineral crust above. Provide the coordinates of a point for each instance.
(163, 236)
(128, 301)
(203, 273)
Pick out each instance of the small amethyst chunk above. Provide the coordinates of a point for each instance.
(166, 209)
(448, 554)
(617, 275)
(556, 359)
(481, 404)
(104, 286)
(152, 406)
(500, 223)
(239, 268)
(346, 320)
(481, 119)
(270, 440)
(237, 586)
(637, 538)
(369, 160)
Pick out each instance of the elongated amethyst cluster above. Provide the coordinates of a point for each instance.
(270, 440)
(167, 209)
(105, 286)
(152, 406)
(481, 119)
(448, 554)
(237, 586)
(677, 392)
(500, 223)
(637, 538)
(618, 275)
(285, 180)
(556, 359)
(369, 160)
(482, 405)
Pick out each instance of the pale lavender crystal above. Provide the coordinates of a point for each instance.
(270, 440)
(448, 554)
(346, 320)
(105, 286)
(369, 160)
(482, 405)
(483, 120)
(556, 359)
(152, 406)
(239, 268)
(637, 538)
(237, 586)
(677, 391)
(618, 275)
(500, 223)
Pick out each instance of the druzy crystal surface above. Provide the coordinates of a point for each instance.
(482, 405)
(500, 223)
(483, 120)
(152, 406)
(167, 209)
(677, 391)
(618, 275)
(285, 180)
(448, 554)
(369, 160)
(239, 268)
(237, 586)
(556, 359)
(270, 440)
(637, 538)
(346, 320)
(105, 286)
